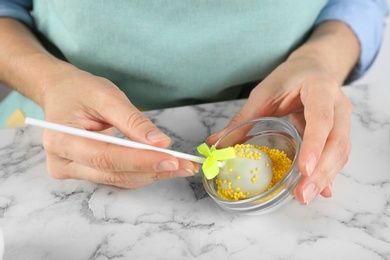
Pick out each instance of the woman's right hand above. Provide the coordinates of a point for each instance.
(76, 98)
(79, 99)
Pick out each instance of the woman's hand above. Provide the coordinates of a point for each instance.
(76, 98)
(304, 89)
(79, 99)
(307, 88)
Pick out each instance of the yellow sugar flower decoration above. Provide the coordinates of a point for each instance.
(213, 155)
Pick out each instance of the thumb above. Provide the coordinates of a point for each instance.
(259, 104)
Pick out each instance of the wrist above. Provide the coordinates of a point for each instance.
(49, 73)
(25, 65)
(333, 45)
(38, 73)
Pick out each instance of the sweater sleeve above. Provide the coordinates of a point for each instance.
(18, 9)
(367, 20)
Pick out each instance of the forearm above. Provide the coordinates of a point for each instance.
(333, 44)
(25, 65)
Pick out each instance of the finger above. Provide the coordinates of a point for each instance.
(319, 118)
(61, 168)
(338, 146)
(235, 136)
(327, 192)
(108, 157)
(309, 187)
(131, 122)
(333, 158)
(261, 102)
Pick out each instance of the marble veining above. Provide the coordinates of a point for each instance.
(44, 218)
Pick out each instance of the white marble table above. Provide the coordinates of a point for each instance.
(44, 218)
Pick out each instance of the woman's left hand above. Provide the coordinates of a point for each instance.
(304, 89)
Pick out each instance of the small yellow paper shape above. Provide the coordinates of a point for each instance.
(213, 155)
(16, 119)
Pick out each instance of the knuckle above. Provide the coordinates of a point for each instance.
(48, 141)
(162, 175)
(56, 143)
(120, 180)
(329, 82)
(135, 120)
(112, 179)
(236, 119)
(348, 105)
(325, 176)
(343, 147)
(115, 180)
(57, 175)
(254, 92)
(51, 140)
(345, 160)
(327, 117)
(138, 165)
(55, 172)
(327, 180)
(102, 162)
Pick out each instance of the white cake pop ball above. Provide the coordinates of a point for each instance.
(247, 175)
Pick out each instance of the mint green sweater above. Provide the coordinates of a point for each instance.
(178, 52)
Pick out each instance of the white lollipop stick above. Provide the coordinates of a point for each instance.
(110, 139)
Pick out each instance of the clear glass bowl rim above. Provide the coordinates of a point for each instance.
(292, 171)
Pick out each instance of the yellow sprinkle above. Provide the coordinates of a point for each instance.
(280, 166)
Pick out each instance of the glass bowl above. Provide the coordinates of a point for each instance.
(275, 133)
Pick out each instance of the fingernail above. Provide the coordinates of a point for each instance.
(183, 173)
(156, 136)
(167, 166)
(311, 164)
(309, 193)
(330, 190)
(197, 168)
